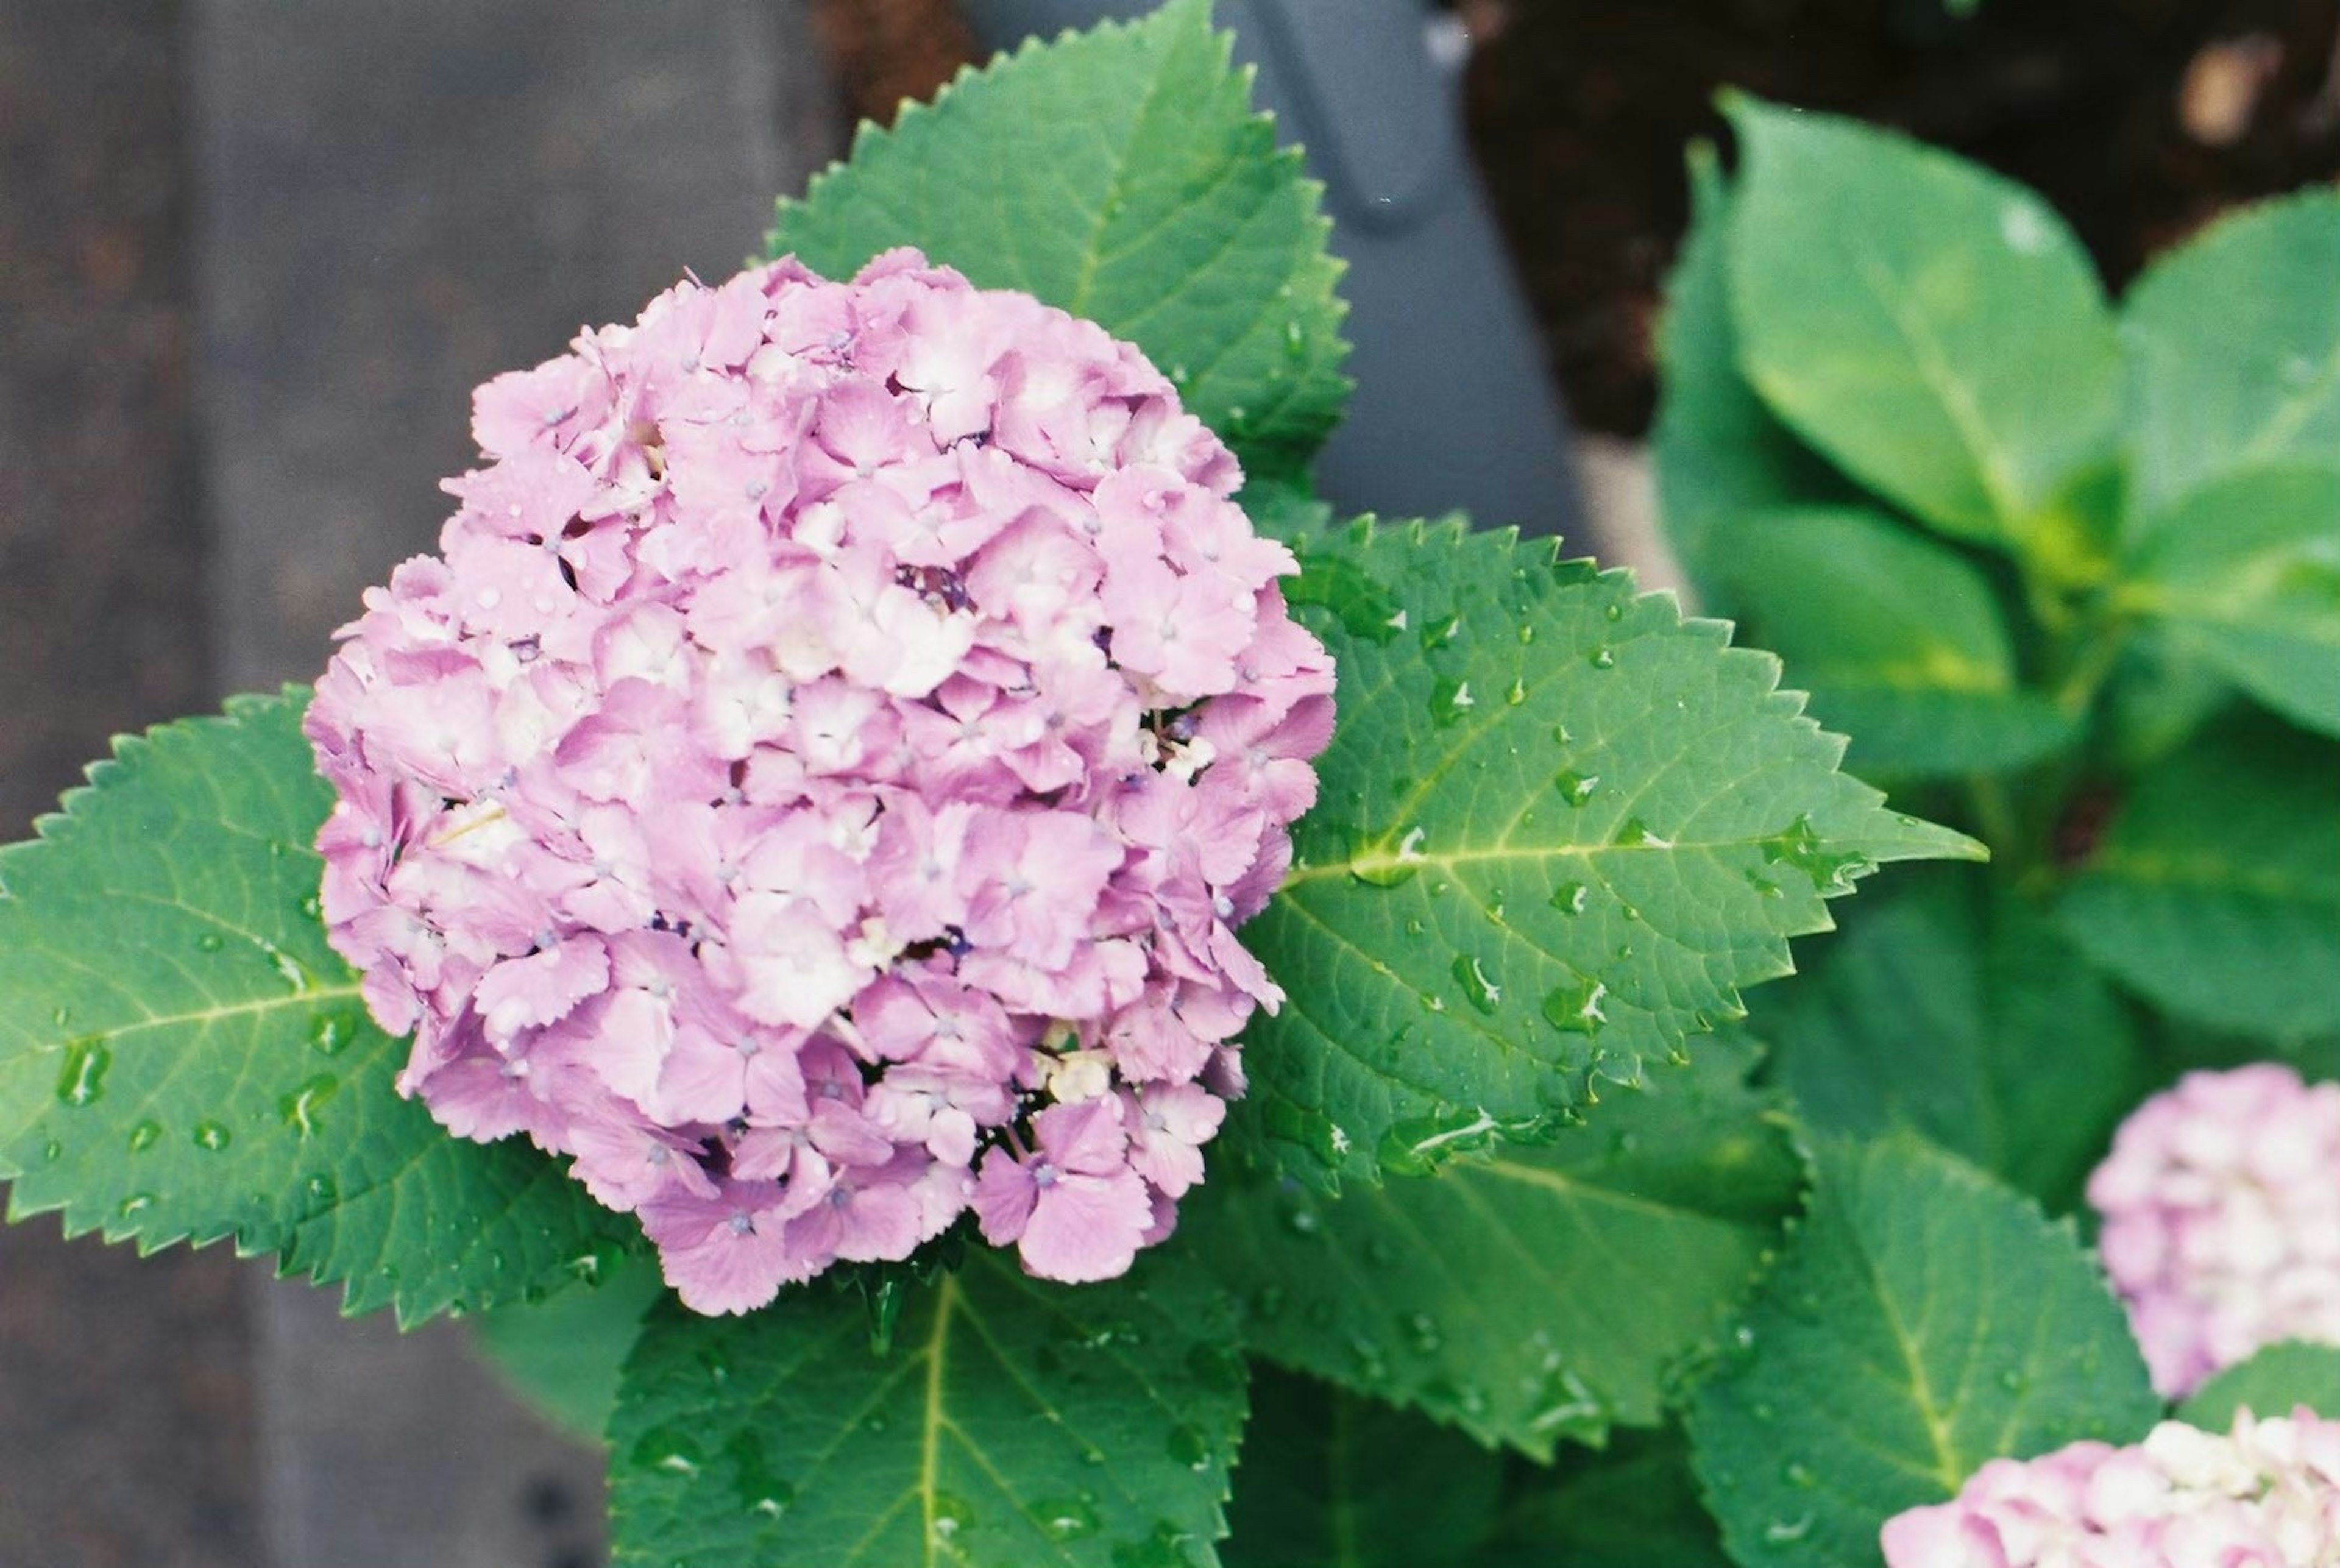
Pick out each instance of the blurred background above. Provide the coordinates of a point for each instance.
(252, 257)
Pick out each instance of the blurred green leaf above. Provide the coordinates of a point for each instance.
(2217, 890)
(1952, 1008)
(2275, 1382)
(1933, 328)
(1897, 636)
(2245, 574)
(1720, 456)
(2233, 345)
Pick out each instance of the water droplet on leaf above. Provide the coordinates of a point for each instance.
(81, 1080)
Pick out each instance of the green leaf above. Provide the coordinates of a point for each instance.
(2217, 890)
(564, 1355)
(1719, 453)
(1012, 1422)
(1954, 1009)
(2245, 574)
(1933, 328)
(1899, 638)
(1120, 174)
(2275, 1382)
(183, 1057)
(1558, 830)
(1333, 1481)
(1926, 1320)
(2232, 342)
(1633, 1504)
(1530, 1294)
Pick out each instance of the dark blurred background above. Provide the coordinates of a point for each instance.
(253, 256)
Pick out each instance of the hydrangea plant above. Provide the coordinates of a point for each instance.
(925, 940)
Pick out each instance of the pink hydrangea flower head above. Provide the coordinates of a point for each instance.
(2221, 1207)
(814, 786)
(2266, 1494)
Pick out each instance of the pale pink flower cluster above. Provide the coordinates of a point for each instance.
(2264, 1495)
(2221, 1207)
(817, 784)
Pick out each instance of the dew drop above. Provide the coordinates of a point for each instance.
(145, 1136)
(53, 1151)
(951, 1516)
(210, 942)
(322, 1189)
(81, 1080)
(1781, 1531)
(1602, 658)
(1634, 834)
(760, 1491)
(290, 970)
(1422, 1333)
(1575, 788)
(1568, 898)
(331, 1033)
(1303, 1220)
(1189, 1447)
(300, 1107)
(212, 1136)
(136, 1203)
(1800, 847)
(1448, 701)
(1516, 694)
(1799, 1475)
(60, 1017)
(312, 907)
(1576, 1008)
(1065, 1518)
(1482, 992)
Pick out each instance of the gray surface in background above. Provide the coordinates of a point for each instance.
(127, 1425)
(396, 200)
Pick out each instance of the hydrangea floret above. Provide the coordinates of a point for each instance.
(2266, 1494)
(816, 785)
(2221, 1207)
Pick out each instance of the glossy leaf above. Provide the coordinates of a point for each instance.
(2244, 575)
(183, 1058)
(1121, 174)
(2217, 890)
(1720, 456)
(1898, 637)
(1558, 830)
(2233, 344)
(1934, 328)
(1926, 1320)
(1954, 1009)
(1525, 1294)
(1011, 1422)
